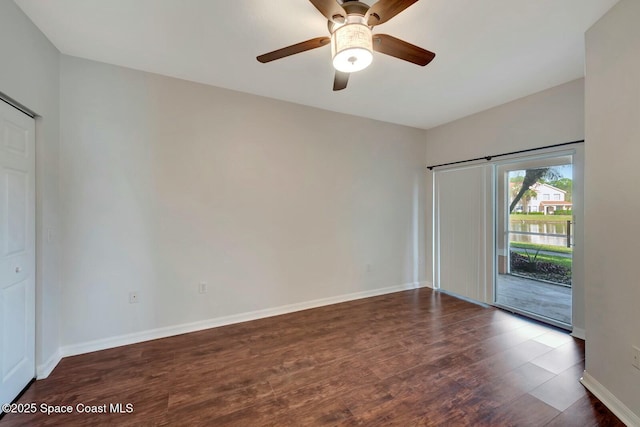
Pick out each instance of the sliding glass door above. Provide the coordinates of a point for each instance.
(534, 241)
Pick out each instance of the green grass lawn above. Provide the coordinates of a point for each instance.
(540, 218)
(559, 260)
(532, 247)
(562, 261)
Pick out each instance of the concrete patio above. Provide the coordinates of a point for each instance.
(531, 296)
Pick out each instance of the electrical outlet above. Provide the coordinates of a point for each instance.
(636, 357)
(369, 268)
(133, 297)
(202, 287)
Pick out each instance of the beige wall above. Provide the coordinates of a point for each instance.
(29, 74)
(550, 117)
(613, 243)
(166, 183)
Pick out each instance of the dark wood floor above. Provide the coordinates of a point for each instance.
(414, 358)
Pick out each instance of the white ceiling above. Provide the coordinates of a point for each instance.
(488, 52)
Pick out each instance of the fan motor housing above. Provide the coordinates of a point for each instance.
(355, 9)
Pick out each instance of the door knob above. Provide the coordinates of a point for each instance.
(18, 269)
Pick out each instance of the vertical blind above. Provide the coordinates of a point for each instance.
(463, 231)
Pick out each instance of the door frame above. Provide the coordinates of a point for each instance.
(32, 226)
(577, 289)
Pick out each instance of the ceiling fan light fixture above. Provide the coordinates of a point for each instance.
(352, 47)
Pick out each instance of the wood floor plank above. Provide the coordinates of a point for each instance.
(528, 376)
(563, 390)
(562, 357)
(526, 411)
(414, 358)
(588, 411)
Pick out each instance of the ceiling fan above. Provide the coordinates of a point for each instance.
(352, 43)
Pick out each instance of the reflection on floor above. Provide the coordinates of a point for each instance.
(543, 299)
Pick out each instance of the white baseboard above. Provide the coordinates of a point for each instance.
(579, 333)
(423, 285)
(152, 334)
(45, 369)
(610, 401)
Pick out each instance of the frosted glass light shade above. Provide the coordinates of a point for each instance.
(351, 48)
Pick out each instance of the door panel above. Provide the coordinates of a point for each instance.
(533, 244)
(17, 206)
(17, 251)
(14, 310)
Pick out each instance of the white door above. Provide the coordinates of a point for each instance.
(17, 251)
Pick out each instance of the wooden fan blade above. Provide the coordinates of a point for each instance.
(331, 10)
(397, 48)
(340, 80)
(293, 49)
(384, 10)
